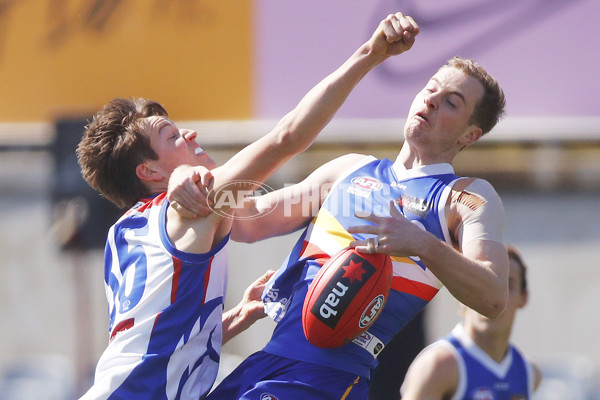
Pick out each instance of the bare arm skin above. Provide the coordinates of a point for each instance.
(433, 375)
(290, 208)
(476, 274)
(294, 133)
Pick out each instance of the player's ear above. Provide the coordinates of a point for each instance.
(472, 135)
(524, 298)
(145, 172)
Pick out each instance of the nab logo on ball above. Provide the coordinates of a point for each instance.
(341, 289)
(346, 297)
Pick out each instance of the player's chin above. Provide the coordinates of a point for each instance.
(204, 160)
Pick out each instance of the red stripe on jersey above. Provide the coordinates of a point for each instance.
(206, 278)
(121, 326)
(146, 203)
(310, 250)
(176, 277)
(415, 288)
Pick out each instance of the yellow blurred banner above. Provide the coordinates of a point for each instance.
(59, 57)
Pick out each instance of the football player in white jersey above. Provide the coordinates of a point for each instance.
(165, 275)
(442, 370)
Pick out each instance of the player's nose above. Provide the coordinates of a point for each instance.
(189, 135)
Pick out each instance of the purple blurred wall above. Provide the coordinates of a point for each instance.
(544, 52)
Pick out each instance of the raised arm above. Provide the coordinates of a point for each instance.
(297, 130)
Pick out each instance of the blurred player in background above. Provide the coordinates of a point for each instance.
(439, 228)
(166, 275)
(476, 359)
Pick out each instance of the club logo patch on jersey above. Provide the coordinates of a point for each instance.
(341, 289)
(367, 183)
(413, 205)
(363, 186)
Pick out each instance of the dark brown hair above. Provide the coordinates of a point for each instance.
(514, 255)
(113, 145)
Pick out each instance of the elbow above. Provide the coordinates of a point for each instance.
(496, 302)
(241, 235)
(290, 137)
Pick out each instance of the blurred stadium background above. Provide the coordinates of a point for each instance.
(230, 69)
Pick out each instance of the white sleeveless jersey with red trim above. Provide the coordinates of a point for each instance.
(165, 310)
(421, 195)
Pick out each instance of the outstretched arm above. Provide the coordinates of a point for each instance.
(297, 130)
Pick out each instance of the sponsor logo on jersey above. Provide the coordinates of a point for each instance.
(483, 394)
(372, 311)
(341, 290)
(413, 205)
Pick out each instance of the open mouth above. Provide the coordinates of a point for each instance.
(198, 150)
(422, 116)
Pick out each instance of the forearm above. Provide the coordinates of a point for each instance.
(320, 104)
(477, 279)
(235, 322)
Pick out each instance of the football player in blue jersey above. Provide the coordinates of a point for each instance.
(440, 229)
(476, 360)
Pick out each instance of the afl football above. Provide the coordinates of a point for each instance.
(346, 297)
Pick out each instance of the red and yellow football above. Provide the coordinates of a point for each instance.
(346, 297)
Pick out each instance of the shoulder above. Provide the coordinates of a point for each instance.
(338, 167)
(434, 371)
(476, 186)
(349, 160)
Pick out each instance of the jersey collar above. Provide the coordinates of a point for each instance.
(425, 170)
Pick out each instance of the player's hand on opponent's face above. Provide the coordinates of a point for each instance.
(394, 35)
(394, 235)
(188, 191)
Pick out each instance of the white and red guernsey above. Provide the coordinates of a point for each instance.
(165, 310)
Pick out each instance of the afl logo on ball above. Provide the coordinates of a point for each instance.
(366, 182)
(371, 312)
